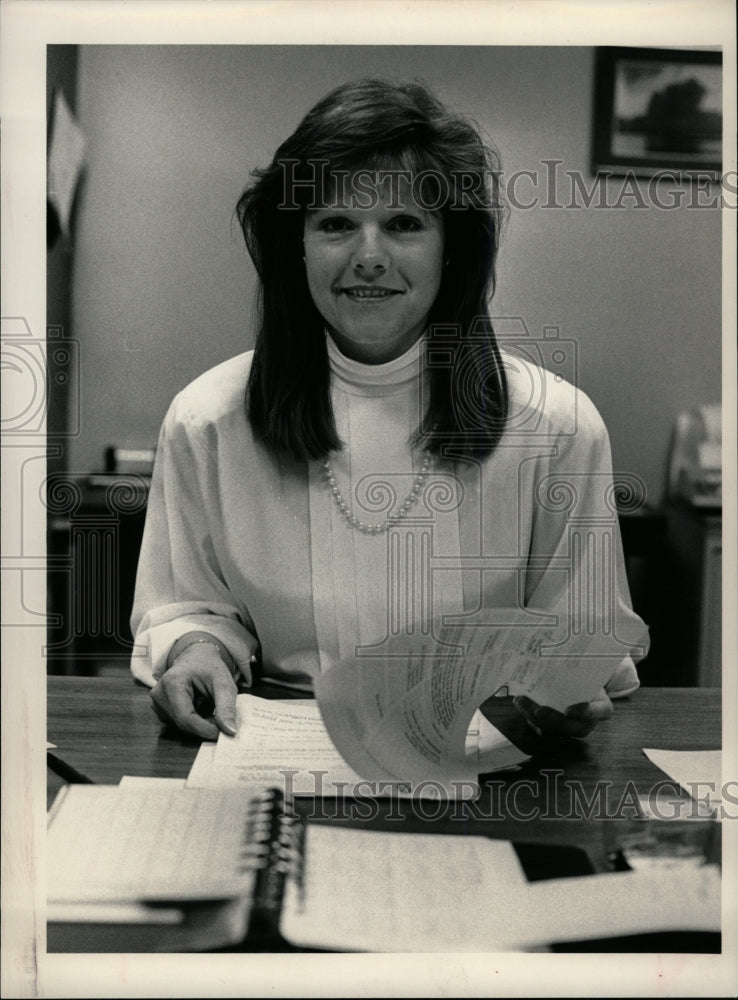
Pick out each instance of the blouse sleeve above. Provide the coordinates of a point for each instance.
(179, 585)
(576, 557)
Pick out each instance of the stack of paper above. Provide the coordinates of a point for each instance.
(402, 713)
(286, 744)
(469, 893)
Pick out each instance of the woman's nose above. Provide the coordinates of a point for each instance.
(370, 254)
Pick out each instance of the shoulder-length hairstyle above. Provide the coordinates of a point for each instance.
(376, 125)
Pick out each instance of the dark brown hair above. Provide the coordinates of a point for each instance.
(376, 125)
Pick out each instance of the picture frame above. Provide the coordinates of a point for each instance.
(657, 111)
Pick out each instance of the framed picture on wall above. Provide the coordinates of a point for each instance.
(657, 110)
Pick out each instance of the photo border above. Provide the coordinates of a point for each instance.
(28, 25)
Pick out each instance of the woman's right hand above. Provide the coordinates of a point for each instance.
(197, 694)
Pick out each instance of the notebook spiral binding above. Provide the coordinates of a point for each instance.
(274, 849)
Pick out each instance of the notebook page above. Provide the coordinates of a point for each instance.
(372, 891)
(375, 891)
(107, 843)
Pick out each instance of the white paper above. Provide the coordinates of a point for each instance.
(285, 744)
(684, 898)
(377, 891)
(282, 743)
(468, 893)
(404, 715)
(206, 772)
(113, 913)
(115, 844)
(280, 733)
(494, 752)
(698, 772)
(668, 807)
(136, 781)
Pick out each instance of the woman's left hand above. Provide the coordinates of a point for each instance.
(578, 720)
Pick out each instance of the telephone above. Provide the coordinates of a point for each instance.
(695, 465)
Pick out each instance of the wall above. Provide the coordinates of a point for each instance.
(163, 286)
(61, 74)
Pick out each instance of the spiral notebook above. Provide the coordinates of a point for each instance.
(118, 844)
(107, 843)
(341, 888)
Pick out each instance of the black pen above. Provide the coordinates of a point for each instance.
(66, 771)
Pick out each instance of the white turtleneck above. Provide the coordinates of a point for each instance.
(257, 552)
(367, 587)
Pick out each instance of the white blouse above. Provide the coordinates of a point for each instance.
(256, 551)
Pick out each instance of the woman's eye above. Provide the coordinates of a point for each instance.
(337, 225)
(406, 224)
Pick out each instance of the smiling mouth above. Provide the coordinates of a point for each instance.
(375, 294)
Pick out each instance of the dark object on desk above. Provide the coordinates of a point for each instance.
(665, 943)
(66, 771)
(545, 861)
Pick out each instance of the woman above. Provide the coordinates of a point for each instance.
(377, 463)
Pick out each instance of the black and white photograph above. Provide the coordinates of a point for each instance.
(369, 559)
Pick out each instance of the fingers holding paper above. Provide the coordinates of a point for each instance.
(577, 721)
(197, 694)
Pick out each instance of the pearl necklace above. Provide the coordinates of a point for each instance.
(376, 529)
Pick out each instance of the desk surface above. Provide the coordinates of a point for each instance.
(105, 728)
(571, 793)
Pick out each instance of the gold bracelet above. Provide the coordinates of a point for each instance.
(210, 641)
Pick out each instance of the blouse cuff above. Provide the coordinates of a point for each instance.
(624, 681)
(156, 641)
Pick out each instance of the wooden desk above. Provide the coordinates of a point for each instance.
(572, 793)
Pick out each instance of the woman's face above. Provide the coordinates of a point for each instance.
(374, 264)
